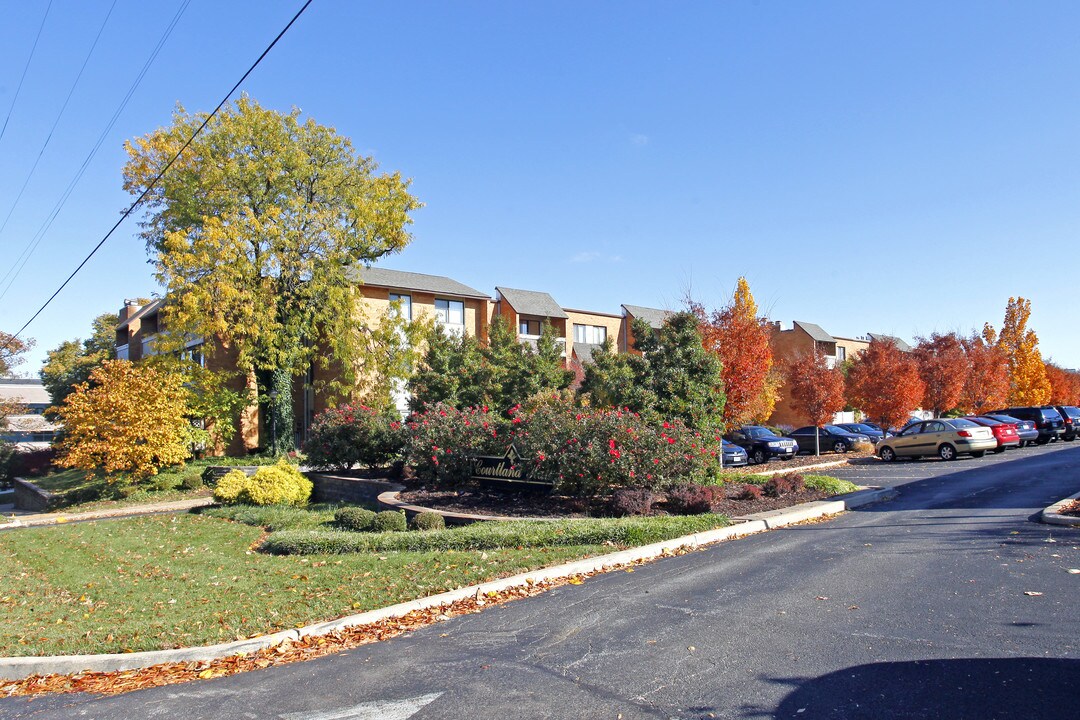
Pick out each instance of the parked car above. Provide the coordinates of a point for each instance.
(762, 444)
(871, 431)
(734, 456)
(1070, 414)
(1005, 433)
(944, 437)
(830, 437)
(1025, 429)
(1047, 421)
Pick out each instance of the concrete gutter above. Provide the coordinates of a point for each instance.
(1053, 516)
(17, 668)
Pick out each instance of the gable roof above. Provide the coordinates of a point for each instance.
(654, 316)
(531, 302)
(900, 344)
(399, 279)
(815, 331)
(26, 391)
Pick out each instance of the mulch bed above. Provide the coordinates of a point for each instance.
(1072, 509)
(537, 505)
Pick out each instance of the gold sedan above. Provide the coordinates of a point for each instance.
(944, 437)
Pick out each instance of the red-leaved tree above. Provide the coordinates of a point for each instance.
(987, 384)
(740, 339)
(815, 389)
(1064, 385)
(943, 367)
(884, 383)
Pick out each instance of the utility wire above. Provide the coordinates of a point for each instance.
(57, 121)
(161, 174)
(25, 69)
(35, 240)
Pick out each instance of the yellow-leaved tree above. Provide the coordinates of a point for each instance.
(257, 232)
(1028, 383)
(126, 419)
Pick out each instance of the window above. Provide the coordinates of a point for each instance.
(406, 304)
(841, 353)
(451, 315)
(591, 334)
(529, 327)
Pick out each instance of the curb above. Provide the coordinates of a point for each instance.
(44, 519)
(818, 466)
(1053, 516)
(18, 668)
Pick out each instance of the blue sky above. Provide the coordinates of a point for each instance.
(870, 167)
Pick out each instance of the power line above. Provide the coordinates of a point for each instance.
(165, 169)
(25, 69)
(57, 121)
(35, 240)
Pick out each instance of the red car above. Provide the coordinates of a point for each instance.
(1004, 433)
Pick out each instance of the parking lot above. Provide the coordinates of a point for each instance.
(1029, 461)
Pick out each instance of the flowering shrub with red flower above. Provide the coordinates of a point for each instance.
(440, 439)
(353, 435)
(590, 453)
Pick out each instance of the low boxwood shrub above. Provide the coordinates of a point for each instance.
(282, 483)
(356, 519)
(192, 481)
(622, 532)
(428, 521)
(631, 501)
(389, 521)
(689, 499)
(829, 484)
(353, 435)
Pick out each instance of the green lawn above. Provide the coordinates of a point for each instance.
(183, 580)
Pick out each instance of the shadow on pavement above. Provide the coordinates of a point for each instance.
(1029, 688)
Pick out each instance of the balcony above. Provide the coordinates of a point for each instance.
(531, 340)
(122, 352)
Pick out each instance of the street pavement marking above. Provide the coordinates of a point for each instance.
(377, 710)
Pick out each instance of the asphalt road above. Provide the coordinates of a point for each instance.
(948, 602)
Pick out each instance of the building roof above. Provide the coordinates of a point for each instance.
(531, 302)
(25, 391)
(654, 316)
(399, 279)
(29, 423)
(815, 331)
(147, 309)
(584, 351)
(900, 344)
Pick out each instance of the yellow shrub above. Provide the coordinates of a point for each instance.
(271, 485)
(230, 487)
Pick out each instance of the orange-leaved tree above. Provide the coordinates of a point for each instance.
(987, 384)
(815, 389)
(740, 339)
(943, 367)
(1028, 384)
(884, 383)
(1064, 385)
(126, 419)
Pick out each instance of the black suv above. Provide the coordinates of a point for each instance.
(1048, 421)
(761, 444)
(1070, 414)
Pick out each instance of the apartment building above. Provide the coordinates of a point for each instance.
(26, 429)
(806, 337)
(458, 308)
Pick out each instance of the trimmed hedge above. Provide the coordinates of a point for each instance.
(389, 521)
(354, 518)
(271, 517)
(624, 532)
(428, 521)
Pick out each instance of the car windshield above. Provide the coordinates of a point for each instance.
(988, 421)
(1050, 414)
(962, 424)
(864, 427)
(758, 433)
(1073, 412)
(836, 430)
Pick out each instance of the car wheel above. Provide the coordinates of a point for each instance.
(887, 454)
(946, 452)
(1069, 438)
(1042, 441)
(979, 453)
(1021, 444)
(759, 457)
(839, 446)
(998, 451)
(786, 458)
